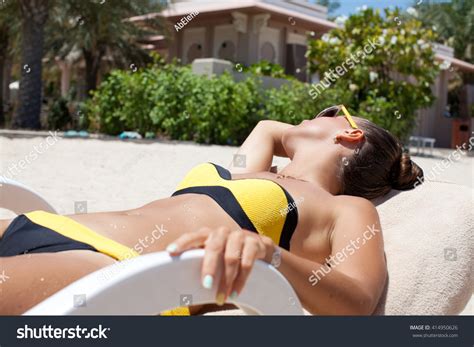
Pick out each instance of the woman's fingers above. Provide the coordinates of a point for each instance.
(189, 241)
(237, 250)
(214, 246)
(232, 256)
(253, 249)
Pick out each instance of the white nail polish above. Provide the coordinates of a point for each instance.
(172, 247)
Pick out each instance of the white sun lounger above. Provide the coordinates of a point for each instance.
(151, 283)
(18, 198)
(155, 282)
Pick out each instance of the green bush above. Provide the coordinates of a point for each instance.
(292, 104)
(265, 68)
(175, 102)
(172, 101)
(82, 121)
(219, 110)
(59, 116)
(122, 103)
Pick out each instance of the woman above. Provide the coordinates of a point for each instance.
(301, 220)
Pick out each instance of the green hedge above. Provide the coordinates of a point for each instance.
(265, 68)
(172, 101)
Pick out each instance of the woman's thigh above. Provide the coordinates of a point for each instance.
(26, 280)
(4, 223)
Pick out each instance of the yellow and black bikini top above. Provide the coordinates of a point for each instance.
(256, 204)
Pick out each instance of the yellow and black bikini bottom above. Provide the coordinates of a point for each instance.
(43, 232)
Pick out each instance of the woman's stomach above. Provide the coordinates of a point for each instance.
(152, 227)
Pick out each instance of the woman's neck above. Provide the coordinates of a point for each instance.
(323, 172)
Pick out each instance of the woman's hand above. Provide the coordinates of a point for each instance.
(237, 250)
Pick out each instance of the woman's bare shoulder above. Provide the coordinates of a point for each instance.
(354, 203)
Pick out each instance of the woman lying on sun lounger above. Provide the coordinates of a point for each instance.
(313, 220)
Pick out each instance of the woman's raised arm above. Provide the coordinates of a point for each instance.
(257, 151)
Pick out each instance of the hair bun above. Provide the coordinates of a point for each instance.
(405, 173)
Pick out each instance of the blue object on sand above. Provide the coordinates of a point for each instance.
(130, 135)
(74, 133)
(71, 133)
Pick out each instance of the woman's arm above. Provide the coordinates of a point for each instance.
(257, 151)
(352, 286)
(354, 282)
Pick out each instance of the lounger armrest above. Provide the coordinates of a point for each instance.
(18, 198)
(155, 282)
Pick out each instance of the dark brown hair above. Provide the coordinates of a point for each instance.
(378, 165)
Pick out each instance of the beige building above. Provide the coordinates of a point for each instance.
(244, 31)
(434, 121)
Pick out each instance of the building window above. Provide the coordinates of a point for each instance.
(296, 61)
(267, 52)
(194, 52)
(227, 51)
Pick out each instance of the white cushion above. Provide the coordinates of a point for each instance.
(428, 235)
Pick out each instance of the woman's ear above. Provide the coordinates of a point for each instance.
(353, 135)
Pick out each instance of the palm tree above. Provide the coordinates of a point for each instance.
(454, 23)
(8, 35)
(331, 5)
(99, 29)
(34, 14)
(4, 37)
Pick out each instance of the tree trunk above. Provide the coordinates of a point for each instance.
(34, 16)
(66, 69)
(93, 59)
(7, 78)
(3, 58)
(2, 102)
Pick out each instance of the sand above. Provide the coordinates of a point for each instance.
(109, 175)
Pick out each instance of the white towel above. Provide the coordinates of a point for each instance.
(428, 235)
